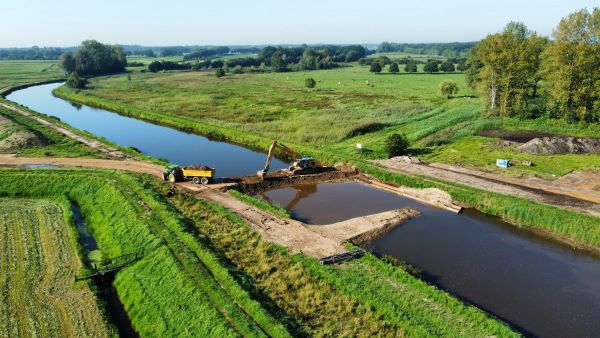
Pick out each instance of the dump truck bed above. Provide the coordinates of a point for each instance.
(198, 172)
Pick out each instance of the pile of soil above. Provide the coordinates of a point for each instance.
(15, 138)
(517, 136)
(561, 145)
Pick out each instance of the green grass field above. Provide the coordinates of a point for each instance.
(349, 105)
(205, 272)
(38, 260)
(15, 73)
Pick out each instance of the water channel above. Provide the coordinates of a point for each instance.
(540, 287)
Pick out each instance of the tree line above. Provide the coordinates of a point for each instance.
(520, 73)
(452, 49)
(33, 53)
(282, 59)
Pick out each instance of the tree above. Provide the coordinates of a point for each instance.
(396, 145)
(95, 58)
(505, 69)
(219, 72)
(448, 88)
(277, 62)
(67, 63)
(394, 68)
(447, 67)
(375, 67)
(571, 65)
(431, 66)
(411, 67)
(462, 65)
(310, 83)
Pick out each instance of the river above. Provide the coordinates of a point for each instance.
(540, 287)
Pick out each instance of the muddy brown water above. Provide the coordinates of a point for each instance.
(115, 310)
(538, 286)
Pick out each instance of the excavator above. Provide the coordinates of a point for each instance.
(302, 165)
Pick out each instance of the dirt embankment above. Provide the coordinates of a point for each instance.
(561, 145)
(556, 193)
(13, 137)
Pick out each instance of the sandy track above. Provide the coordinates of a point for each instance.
(78, 162)
(548, 192)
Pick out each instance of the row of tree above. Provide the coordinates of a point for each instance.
(282, 59)
(90, 59)
(431, 66)
(520, 73)
(452, 49)
(33, 53)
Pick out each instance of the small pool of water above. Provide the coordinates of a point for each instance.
(540, 287)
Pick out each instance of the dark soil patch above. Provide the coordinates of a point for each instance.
(520, 136)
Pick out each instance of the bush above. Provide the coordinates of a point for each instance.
(431, 67)
(375, 67)
(396, 145)
(447, 67)
(310, 83)
(448, 88)
(74, 81)
(219, 72)
(411, 67)
(394, 68)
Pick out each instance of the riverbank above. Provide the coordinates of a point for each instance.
(577, 230)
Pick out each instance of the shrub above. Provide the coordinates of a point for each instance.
(219, 72)
(448, 88)
(375, 67)
(74, 81)
(431, 67)
(394, 68)
(396, 145)
(411, 67)
(310, 83)
(447, 67)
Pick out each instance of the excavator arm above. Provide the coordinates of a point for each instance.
(271, 153)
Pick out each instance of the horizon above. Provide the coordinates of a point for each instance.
(137, 23)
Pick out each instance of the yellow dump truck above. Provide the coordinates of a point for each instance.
(197, 174)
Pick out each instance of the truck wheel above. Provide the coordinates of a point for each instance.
(204, 180)
(196, 180)
(172, 178)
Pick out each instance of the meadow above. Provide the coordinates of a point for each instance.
(349, 105)
(39, 258)
(19, 72)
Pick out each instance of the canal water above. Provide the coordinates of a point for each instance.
(540, 287)
(151, 139)
(114, 308)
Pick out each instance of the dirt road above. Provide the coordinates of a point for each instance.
(315, 241)
(76, 162)
(565, 193)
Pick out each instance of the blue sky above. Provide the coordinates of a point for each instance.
(149, 22)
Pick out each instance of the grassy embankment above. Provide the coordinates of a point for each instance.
(39, 257)
(211, 274)
(26, 137)
(19, 72)
(187, 101)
